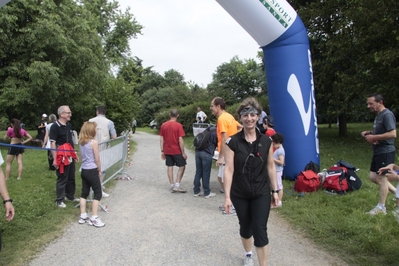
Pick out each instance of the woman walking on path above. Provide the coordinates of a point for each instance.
(91, 172)
(249, 175)
(17, 135)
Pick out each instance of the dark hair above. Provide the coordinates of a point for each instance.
(102, 110)
(268, 120)
(16, 124)
(377, 96)
(277, 138)
(219, 101)
(174, 113)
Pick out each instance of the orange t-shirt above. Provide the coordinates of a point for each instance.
(226, 123)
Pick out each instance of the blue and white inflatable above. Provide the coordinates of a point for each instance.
(276, 27)
(3, 2)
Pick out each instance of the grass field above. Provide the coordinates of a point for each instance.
(337, 223)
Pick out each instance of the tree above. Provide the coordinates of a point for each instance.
(236, 80)
(59, 52)
(348, 40)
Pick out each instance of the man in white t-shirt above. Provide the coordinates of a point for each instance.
(201, 116)
(105, 132)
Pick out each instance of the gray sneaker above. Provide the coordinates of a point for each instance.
(199, 194)
(377, 210)
(179, 189)
(232, 213)
(84, 220)
(396, 213)
(210, 195)
(248, 261)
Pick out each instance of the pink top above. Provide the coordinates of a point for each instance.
(11, 134)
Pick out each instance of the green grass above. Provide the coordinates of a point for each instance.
(337, 223)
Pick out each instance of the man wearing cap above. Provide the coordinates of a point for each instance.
(41, 128)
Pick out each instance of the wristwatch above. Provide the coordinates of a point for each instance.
(7, 200)
(275, 191)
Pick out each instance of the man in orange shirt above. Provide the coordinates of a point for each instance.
(226, 126)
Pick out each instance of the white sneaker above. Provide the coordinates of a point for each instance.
(210, 195)
(377, 210)
(61, 204)
(105, 195)
(97, 222)
(199, 194)
(248, 261)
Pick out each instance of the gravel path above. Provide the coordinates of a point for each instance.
(148, 225)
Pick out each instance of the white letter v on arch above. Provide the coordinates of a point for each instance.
(295, 91)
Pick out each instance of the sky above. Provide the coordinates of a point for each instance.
(192, 37)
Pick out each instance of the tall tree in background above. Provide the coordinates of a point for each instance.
(355, 52)
(59, 52)
(236, 80)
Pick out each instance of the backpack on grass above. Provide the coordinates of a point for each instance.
(335, 181)
(201, 141)
(307, 181)
(354, 182)
(312, 166)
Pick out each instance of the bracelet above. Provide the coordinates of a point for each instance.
(161, 150)
(7, 200)
(276, 191)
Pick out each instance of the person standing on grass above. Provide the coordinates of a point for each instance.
(382, 139)
(105, 132)
(172, 150)
(17, 136)
(41, 128)
(226, 126)
(279, 161)
(203, 166)
(249, 180)
(91, 172)
(7, 201)
(46, 143)
(60, 134)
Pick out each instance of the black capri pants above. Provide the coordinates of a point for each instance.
(253, 214)
(90, 179)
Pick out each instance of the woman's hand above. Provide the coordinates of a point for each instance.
(227, 206)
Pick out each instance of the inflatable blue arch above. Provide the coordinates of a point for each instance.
(279, 31)
(276, 27)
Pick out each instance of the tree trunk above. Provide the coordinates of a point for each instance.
(343, 128)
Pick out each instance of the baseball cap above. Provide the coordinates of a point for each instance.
(44, 115)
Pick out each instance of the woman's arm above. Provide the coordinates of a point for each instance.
(94, 145)
(228, 177)
(10, 212)
(28, 138)
(45, 139)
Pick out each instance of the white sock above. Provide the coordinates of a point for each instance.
(177, 185)
(83, 215)
(248, 254)
(381, 206)
(94, 217)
